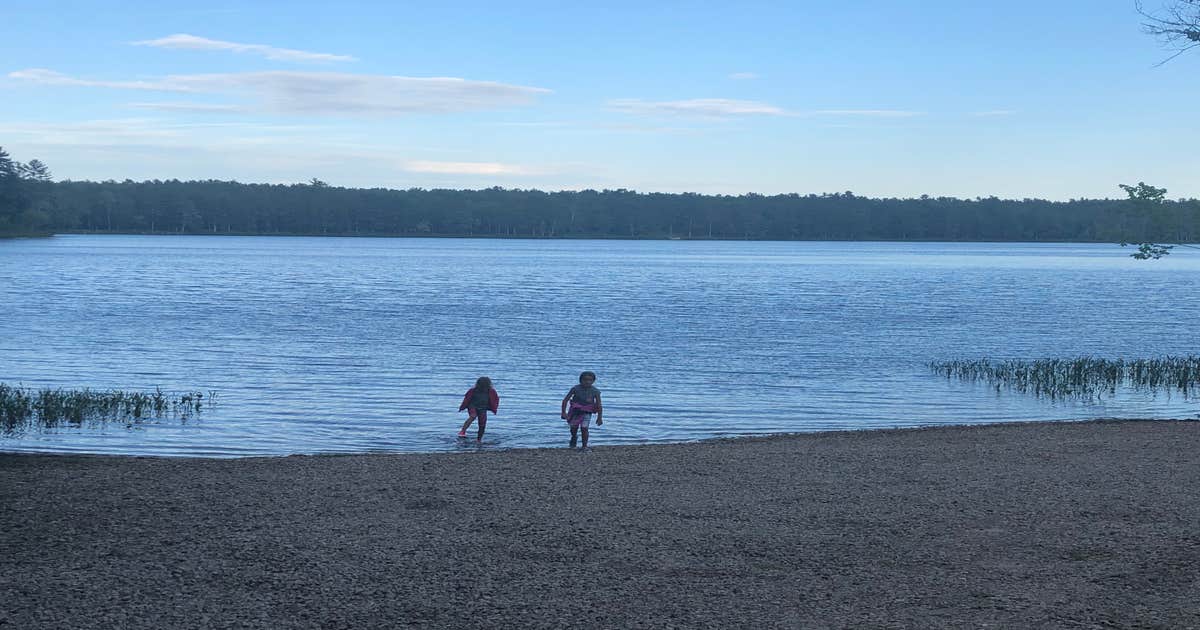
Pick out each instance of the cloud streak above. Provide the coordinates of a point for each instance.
(868, 113)
(467, 168)
(700, 107)
(184, 41)
(323, 93)
(154, 148)
(150, 131)
(50, 77)
(189, 107)
(717, 108)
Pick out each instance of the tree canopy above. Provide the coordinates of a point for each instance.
(19, 184)
(30, 203)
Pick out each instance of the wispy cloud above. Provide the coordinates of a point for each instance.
(184, 41)
(536, 123)
(729, 108)
(468, 168)
(189, 107)
(592, 127)
(148, 131)
(145, 148)
(868, 113)
(701, 107)
(650, 129)
(94, 132)
(325, 93)
(743, 76)
(50, 77)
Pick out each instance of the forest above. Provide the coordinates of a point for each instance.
(32, 203)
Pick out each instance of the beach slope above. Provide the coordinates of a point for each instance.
(1091, 524)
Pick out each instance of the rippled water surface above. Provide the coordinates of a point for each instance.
(339, 344)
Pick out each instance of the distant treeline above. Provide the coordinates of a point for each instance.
(217, 207)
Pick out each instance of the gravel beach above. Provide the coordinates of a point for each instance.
(1053, 525)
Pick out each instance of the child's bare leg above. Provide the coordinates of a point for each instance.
(574, 435)
(584, 431)
(482, 426)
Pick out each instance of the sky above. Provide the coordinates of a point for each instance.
(884, 98)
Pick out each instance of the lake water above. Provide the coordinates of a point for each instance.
(356, 344)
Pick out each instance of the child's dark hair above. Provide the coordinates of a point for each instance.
(484, 383)
(585, 374)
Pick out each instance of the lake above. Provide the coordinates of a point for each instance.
(361, 344)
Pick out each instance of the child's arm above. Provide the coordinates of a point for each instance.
(599, 410)
(564, 405)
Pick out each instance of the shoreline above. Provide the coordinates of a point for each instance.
(1031, 524)
(597, 237)
(749, 437)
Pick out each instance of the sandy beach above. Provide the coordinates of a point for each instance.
(1008, 526)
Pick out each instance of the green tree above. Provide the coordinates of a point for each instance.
(35, 170)
(27, 197)
(10, 175)
(13, 194)
(1149, 209)
(232, 207)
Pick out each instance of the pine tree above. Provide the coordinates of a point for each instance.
(12, 197)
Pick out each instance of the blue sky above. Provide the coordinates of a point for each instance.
(883, 98)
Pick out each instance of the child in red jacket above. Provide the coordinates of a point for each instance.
(478, 402)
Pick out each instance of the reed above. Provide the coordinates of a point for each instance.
(1079, 377)
(23, 408)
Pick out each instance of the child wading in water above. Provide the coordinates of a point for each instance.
(478, 402)
(578, 406)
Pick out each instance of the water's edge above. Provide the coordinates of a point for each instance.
(716, 441)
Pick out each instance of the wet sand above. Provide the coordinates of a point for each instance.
(1028, 525)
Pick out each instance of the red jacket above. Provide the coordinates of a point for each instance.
(493, 400)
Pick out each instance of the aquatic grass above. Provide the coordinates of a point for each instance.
(1079, 377)
(24, 408)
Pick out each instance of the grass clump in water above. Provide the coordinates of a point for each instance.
(23, 408)
(1080, 377)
